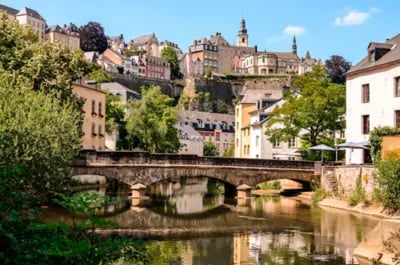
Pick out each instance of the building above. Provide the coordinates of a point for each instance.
(215, 127)
(256, 95)
(261, 146)
(218, 55)
(148, 44)
(166, 43)
(191, 141)
(94, 122)
(267, 63)
(69, 35)
(117, 89)
(372, 95)
(28, 16)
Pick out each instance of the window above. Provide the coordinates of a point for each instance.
(94, 107)
(292, 142)
(100, 109)
(257, 140)
(365, 124)
(397, 118)
(217, 136)
(94, 129)
(365, 93)
(276, 144)
(100, 130)
(397, 86)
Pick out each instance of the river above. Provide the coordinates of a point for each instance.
(191, 223)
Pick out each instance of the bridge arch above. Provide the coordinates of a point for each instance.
(145, 168)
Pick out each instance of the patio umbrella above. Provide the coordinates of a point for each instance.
(353, 145)
(322, 148)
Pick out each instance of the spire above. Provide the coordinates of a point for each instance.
(294, 45)
(308, 56)
(243, 26)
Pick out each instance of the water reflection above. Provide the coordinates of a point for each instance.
(188, 223)
(189, 196)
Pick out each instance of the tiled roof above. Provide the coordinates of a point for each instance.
(188, 130)
(9, 10)
(30, 12)
(54, 28)
(286, 55)
(115, 86)
(392, 55)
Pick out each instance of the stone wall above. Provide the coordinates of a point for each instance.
(342, 180)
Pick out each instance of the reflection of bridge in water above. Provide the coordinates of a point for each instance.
(145, 168)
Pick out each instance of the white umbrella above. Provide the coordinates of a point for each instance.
(322, 148)
(353, 145)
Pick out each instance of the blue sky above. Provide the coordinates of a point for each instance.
(323, 27)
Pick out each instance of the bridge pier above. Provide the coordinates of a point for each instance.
(138, 194)
(244, 191)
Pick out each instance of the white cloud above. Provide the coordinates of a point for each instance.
(295, 30)
(355, 17)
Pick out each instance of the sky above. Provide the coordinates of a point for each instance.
(323, 27)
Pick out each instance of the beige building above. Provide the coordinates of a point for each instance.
(191, 141)
(257, 94)
(94, 122)
(146, 43)
(69, 35)
(218, 55)
(27, 16)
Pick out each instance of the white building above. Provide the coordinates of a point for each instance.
(191, 141)
(372, 95)
(261, 147)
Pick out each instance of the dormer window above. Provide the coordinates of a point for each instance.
(200, 123)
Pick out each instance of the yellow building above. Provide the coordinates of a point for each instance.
(94, 122)
(69, 35)
(243, 128)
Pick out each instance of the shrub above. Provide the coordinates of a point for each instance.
(389, 182)
(358, 194)
(318, 195)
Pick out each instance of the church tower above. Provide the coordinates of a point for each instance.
(242, 37)
(294, 45)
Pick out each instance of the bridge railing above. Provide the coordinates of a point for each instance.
(92, 157)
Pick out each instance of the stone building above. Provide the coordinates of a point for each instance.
(148, 44)
(69, 35)
(215, 127)
(27, 16)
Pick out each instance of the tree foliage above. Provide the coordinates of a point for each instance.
(151, 122)
(315, 108)
(169, 55)
(209, 149)
(93, 37)
(336, 68)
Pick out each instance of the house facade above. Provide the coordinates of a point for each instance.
(28, 16)
(94, 122)
(215, 127)
(148, 44)
(69, 35)
(372, 95)
(191, 141)
(255, 97)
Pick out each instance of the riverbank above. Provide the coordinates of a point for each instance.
(371, 248)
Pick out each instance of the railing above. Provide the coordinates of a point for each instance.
(90, 157)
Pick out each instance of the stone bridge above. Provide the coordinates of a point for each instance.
(146, 168)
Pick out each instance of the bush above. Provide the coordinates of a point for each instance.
(389, 182)
(274, 185)
(358, 194)
(318, 195)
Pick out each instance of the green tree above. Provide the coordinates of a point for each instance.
(42, 133)
(151, 122)
(229, 152)
(169, 55)
(115, 113)
(209, 149)
(315, 108)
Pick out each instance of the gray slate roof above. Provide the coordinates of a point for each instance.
(9, 10)
(142, 39)
(30, 12)
(390, 56)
